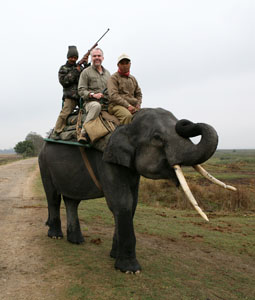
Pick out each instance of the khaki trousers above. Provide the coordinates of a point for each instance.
(121, 113)
(69, 106)
(93, 109)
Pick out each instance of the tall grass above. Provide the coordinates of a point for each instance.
(234, 167)
(209, 196)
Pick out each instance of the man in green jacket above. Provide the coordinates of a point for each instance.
(68, 76)
(125, 96)
(92, 86)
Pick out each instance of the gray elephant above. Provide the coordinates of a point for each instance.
(154, 145)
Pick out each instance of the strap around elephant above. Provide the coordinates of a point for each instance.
(90, 170)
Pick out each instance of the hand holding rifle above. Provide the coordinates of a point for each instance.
(85, 57)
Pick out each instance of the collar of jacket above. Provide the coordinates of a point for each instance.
(71, 65)
(124, 74)
(103, 69)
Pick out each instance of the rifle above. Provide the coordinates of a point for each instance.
(86, 55)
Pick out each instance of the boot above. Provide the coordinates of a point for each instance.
(83, 138)
(55, 136)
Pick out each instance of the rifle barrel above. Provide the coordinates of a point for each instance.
(103, 35)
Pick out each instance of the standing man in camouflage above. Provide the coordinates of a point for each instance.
(125, 96)
(68, 76)
(92, 86)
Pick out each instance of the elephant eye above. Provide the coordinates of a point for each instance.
(157, 136)
(157, 140)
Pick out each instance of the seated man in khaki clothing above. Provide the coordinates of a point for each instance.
(125, 96)
(91, 87)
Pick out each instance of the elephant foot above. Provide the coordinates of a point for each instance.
(128, 265)
(55, 234)
(55, 231)
(75, 237)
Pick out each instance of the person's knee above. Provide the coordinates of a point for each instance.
(93, 110)
(126, 119)
(97, 106)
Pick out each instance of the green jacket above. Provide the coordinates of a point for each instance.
(123, 90)
(92, 81)
(68, 76)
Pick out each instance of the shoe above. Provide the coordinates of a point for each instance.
(84, 138)
(55, 136)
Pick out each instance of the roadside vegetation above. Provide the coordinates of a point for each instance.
(8, 158)
(31, 146)
(182, 256)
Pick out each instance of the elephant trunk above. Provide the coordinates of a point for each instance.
(190, 154)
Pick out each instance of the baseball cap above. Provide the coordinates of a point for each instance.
(123, 56)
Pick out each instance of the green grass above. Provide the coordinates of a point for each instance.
(182, 256)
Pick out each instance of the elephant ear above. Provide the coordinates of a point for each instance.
(119, 149)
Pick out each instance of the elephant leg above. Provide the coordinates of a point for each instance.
(134, 191)
(74, 234)
(126, 257)
(54, 221)
(114, 249)
(54, 201)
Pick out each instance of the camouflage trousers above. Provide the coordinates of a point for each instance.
(69, 105)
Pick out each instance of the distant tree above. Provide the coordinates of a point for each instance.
(26, 148)
(37, 141)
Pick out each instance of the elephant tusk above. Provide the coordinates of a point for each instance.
(203, 172)
(187, 191)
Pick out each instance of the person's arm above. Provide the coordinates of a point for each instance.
(138, 94)
(68, 77)
(83, 85)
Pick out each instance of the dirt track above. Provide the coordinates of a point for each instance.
(22, 263)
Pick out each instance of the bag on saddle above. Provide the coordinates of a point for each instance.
(69, 133)
(101, 126)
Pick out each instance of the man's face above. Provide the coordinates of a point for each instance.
(124, 65)
(72, 60)
(97, 58)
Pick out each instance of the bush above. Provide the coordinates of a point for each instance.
(25, 148)
(37, 141)
(31, 146)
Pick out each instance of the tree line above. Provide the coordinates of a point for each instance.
(31, 146)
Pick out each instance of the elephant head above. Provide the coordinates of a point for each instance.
(156, 144)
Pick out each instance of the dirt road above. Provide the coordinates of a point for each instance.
(22, 263)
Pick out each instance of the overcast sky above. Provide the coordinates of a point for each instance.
(195, 58)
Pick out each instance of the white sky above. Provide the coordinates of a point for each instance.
(195, 58)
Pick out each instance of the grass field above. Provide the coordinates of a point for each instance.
(182, 256)
(7, 158)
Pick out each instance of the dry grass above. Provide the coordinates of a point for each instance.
(210, 196)
(7, 158)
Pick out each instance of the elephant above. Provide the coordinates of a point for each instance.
(154, 145)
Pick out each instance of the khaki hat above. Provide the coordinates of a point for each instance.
(123, 56)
